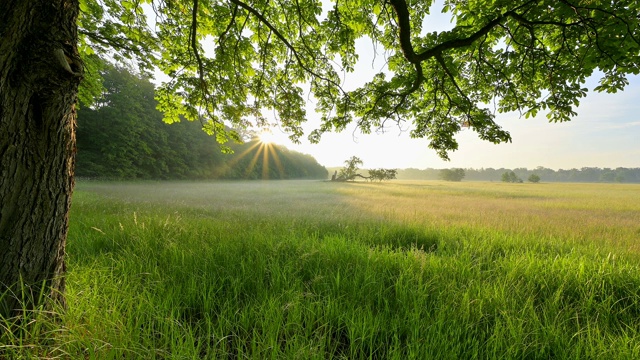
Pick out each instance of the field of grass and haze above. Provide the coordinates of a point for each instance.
(325, 270)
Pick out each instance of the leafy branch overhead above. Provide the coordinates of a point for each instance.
(231, 61)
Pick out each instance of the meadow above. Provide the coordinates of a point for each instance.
(322, 270)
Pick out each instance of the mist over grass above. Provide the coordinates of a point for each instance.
(323, 270)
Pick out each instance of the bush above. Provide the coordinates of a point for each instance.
(511, 177)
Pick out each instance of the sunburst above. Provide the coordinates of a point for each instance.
(266, 149)
(267, 137)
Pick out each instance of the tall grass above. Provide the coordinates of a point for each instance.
(314, 270)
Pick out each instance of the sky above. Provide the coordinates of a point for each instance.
(605, 133)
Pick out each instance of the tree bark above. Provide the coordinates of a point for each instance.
(39, 76)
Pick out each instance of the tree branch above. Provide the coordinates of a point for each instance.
(118, 43)
(231, 23)
(193, 34)
(286, 42)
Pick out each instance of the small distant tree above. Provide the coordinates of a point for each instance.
(511, 177)
(452, 174)
(375, 174)
(390, 174)
(350, 170)
(382, 174)
(534, 178)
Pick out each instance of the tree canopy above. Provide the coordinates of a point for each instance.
(534, 178)
(231, 61)
(350, 169)
(382, 174)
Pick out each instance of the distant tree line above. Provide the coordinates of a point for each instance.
(452, 174)
(542, 174)
(122, 136)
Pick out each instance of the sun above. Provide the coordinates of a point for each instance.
(267, 137)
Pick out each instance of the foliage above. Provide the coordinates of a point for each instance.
(91, 87)
(534, 178)
(452, 174)
(511, 177)
(350, 170)
(382, 174)
(231, 61)
(122, 136)
(609, 175)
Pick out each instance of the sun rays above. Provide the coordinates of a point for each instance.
(265, 149)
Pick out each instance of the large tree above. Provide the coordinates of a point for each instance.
(231, 60)
(39, 75)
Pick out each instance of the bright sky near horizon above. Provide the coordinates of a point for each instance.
(605, 133)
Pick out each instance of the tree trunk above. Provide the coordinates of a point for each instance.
(39, 76)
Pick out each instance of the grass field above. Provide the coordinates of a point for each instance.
(321, 270)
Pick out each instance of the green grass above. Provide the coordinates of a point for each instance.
(317, 270)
